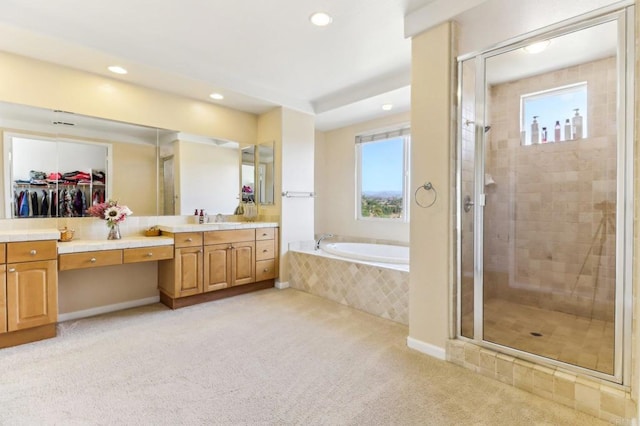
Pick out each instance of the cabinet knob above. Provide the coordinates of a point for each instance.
(264, 234)
(189, 240)
(33, 252)
(265, 270)
(265, 250)
(93, 260)
(149, 254)
(12, 269)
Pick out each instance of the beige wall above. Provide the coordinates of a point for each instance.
(432, 260)
(134, 177)
(46, 85)
(335, 180)
(270, 129)
(86, 289)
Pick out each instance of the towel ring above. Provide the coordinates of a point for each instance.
(427, 187)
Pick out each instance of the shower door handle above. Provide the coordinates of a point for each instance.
(468, 204)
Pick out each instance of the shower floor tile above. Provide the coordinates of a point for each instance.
(563, 337)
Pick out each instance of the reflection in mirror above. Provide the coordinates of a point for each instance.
(265, 173)
(62, 180)
(197, 172)
(125, 153)
(248, 175)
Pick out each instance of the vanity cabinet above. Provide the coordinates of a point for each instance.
(187, 271)
(266, 254)
(230, 258)
(29, 292)
(220, 263)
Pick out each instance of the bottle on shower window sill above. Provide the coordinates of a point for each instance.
(556, 132)
(544, 135)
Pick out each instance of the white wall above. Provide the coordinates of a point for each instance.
(297, 152)
(335, 175)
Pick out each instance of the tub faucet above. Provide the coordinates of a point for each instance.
(322, 237)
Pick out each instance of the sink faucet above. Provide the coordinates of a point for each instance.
(322, 237)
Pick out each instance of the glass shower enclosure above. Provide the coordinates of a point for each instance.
(544, 187)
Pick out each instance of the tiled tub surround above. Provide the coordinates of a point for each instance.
(598, 398)
(377, 288)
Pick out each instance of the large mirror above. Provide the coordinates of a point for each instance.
(153, 171)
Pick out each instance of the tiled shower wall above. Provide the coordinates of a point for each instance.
(378, 291)
(549, 229)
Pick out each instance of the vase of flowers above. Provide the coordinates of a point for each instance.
(113, 213)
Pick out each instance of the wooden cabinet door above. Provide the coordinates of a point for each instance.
(243, 263)
(217, 267)
(188, 271)
(3, 298)
(32, 294)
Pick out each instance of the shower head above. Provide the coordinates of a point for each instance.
(487, 128)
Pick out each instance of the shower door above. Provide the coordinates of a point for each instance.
(543, 225)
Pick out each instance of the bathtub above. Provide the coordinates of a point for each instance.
(383, 253)
(366, 280)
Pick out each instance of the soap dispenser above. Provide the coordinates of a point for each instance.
(535, 134)
(577, 124)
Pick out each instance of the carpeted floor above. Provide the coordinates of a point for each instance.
(272, 357)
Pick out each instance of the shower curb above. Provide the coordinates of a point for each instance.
(606, 401)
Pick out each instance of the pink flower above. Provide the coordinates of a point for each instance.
(110, 211)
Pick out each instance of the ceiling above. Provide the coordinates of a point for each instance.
(258, 54)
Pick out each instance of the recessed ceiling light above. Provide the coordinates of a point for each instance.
(387, 107)
(216, 96)
(321, 19)
(537, 47)
(117, 69)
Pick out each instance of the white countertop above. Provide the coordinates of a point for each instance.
(194, 227)
(29, 235)
(76, 246)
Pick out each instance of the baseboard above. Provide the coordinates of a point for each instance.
(107, 308)
(281, 284)
(427, 348)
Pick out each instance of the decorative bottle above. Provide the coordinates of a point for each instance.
(577, 125)
(544, 135)
(201, 217)
(535, 135)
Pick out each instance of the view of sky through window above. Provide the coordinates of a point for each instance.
(551, 106)
(383, 167)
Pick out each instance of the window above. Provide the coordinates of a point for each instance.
(383, 173)
(555, 115)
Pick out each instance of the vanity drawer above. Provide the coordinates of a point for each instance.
(231, 236)
(187, 239)
(28, 251)
(89, 259)
(146, 254)
(265, 270)
(265, 233)
(265, 249)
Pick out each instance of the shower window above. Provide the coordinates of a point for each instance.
(383, 170)
(554, 115)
